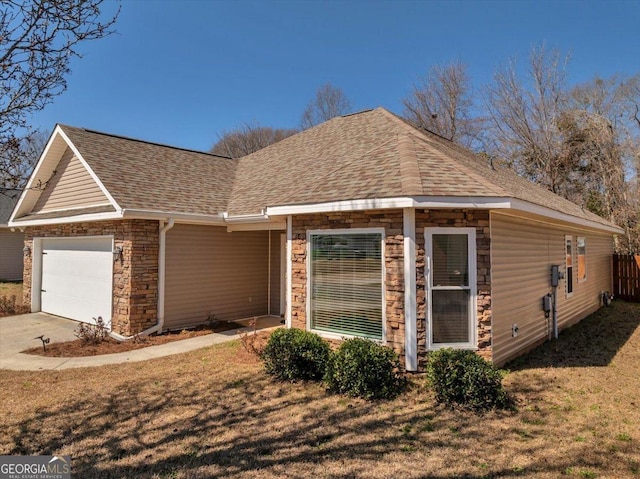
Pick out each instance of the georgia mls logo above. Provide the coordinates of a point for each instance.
(35, 467)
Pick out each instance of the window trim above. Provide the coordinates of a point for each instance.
(584, 241)
(472, 251)
(338, 231)
(568, 269)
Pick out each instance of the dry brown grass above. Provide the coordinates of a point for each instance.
(11, 289)
(11, 299)
(214, 413)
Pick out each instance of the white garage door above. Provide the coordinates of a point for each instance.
(77, 278)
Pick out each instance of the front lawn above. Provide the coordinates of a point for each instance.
(11, 299)
(12, 289)
(214, 413)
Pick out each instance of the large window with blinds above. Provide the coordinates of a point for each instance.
(346, 288)
(451, 283)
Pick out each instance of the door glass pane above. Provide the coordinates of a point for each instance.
(582, 255)
(450, 261)
(346, 284)
(450, 316)
(569, 261)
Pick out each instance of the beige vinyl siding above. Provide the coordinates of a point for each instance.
(71, 187)
(11, 255)
(522, 252)
(209, 270)
(275, 273)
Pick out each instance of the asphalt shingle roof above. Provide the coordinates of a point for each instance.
(372, 154)
(8, 200)
(375, 154)
(148, 176)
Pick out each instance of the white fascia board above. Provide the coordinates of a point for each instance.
(123, 214)
(186, 218)
(392, 203)
(347, 205)
(465, 202)
(432, 202)
(88, 168)
(111, 215)
(247, 219)
(520, 205)
(274, 226)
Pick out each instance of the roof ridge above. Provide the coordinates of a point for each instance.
(463, 168)
(425, 137)
(405, 124)
(147, 142)
(409, 169)
(355, 113)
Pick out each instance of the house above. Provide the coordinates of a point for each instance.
(361, 226)
(11, 242)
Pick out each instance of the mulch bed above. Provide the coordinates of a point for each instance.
(77, 348)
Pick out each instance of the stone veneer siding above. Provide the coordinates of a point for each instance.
(135, 276)
(478, 219)
(391, 221)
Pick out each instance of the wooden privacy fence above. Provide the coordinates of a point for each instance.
(626, 277)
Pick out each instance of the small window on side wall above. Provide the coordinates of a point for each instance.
(569, 265)
(581, 249)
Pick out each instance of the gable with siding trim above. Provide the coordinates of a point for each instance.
(71, 187)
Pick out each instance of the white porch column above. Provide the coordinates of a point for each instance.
(410, 302)
(288, 272)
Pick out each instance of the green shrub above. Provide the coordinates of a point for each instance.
(464, 379)
(365, 369)
(294, 354)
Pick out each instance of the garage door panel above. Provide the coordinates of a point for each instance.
(77, 278)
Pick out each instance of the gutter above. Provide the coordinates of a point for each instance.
(189, 218)
(260, 218)
(161, 287)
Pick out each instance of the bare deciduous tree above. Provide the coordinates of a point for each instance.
(579, 143)
(523, 115)
(442, 102)
(329, 102)
(248, 139)
(30, 149)
(38, 38)
(601, 143)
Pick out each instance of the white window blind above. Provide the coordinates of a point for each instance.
(451, 280)
(346, 283)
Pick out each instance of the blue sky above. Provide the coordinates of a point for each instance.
(180, 72)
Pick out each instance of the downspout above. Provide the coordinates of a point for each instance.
(269, 279)
(161, 287)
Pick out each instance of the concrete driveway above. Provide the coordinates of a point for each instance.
(17, 333)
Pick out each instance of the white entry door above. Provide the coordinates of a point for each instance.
(77, 278)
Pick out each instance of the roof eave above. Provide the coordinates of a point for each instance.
(180, 217)
(81, 218)
(447, 202)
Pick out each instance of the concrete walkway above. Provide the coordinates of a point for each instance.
(17, 333)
